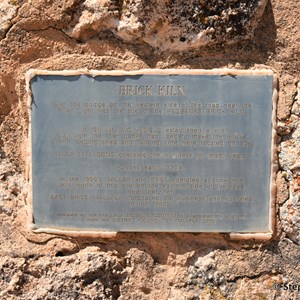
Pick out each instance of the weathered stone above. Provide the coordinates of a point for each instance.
(140, 265)
(169, 25)
(8, 10)
(282, 188)
(296, 105)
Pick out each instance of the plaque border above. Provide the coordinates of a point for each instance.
(31, 73)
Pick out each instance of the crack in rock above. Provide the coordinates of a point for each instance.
(8, 11)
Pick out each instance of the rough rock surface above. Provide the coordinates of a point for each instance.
(8, 10)
(168, 24)
(71, 34)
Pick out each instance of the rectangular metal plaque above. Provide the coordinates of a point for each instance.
(152, 150)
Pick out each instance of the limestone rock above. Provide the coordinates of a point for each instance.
(95, 16)
(122, 35)
(8, 10)
(169, 25)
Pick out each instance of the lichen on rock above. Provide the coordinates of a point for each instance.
(174, 25)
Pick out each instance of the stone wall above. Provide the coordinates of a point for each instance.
(131, 35)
